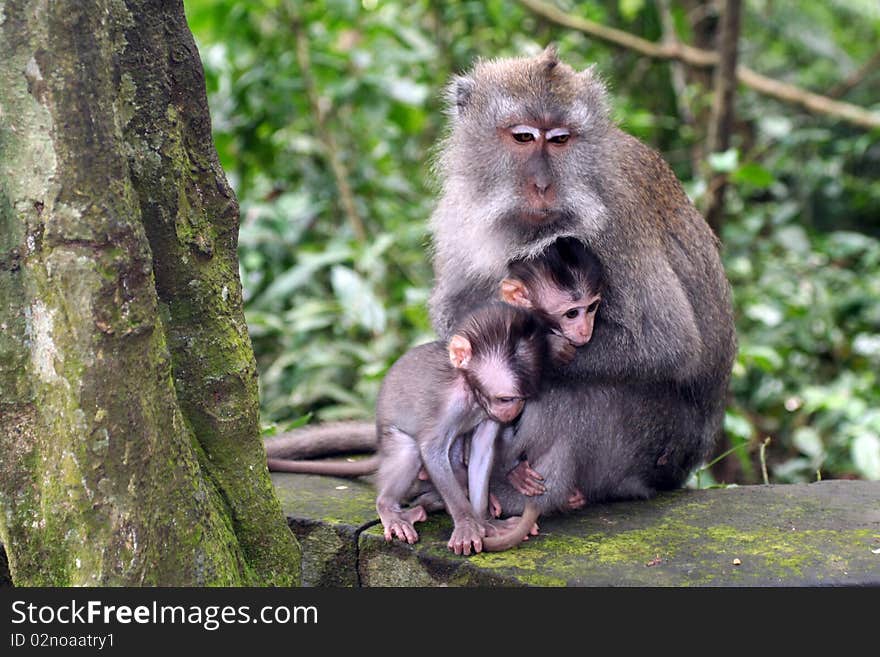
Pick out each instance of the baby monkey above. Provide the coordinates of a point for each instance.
(563, 285)
(434, 395)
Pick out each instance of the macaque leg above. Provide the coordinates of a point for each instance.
(468, 530)
(480, 460)
(398, 468)
(525, 480)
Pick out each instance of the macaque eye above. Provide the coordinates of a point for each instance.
(506, 400)
(558, 136)
(524, 133)
(592, 307)
(573, 313)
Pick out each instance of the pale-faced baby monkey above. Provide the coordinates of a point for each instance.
(434, 395)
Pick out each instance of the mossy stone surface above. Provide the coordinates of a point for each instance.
(816, 534)
(326, 514)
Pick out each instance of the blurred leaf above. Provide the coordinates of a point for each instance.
(360, 305)
(754, 175)
(866, 455)
(724, 162)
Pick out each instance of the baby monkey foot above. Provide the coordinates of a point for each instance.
(466, 533)
(526, 480)
(399, 524)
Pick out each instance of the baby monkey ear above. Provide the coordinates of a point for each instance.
(515, 293)
(459, 351)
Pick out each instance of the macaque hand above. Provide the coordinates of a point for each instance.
(466, 533)
(576, 500)
(560, 349)
(494, 506)
(526, 480)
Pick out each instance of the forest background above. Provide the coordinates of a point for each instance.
(325, 116)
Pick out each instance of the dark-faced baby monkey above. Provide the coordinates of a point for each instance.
(563, 286)
(434, 395)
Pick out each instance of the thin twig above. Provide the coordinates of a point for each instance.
(764, 459)
(845, 86)
(703, 58)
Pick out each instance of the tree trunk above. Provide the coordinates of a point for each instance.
(130, 449)
(721, 123)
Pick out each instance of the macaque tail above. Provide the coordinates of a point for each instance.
(516, 535)
(358, 468)
(323, 440)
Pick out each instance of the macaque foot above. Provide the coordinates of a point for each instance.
(525, 480)
(494, 506)
(576, 500)
(399, 524)
(467, 533)
(423, 475)
(500, 527)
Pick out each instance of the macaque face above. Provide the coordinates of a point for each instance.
(571, 313)
(492, 378)
(575, 318)
(535, 148)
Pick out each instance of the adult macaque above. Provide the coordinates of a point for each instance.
(532, 156)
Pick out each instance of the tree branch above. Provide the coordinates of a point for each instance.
(789, 93)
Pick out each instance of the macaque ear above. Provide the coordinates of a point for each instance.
(550, 56)
(458, 94)
(515, 293)
(459, 351)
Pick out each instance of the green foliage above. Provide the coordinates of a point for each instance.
(328, 313)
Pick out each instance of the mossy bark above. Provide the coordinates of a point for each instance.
(130, 446)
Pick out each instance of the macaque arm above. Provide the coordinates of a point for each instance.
(655, 336)
(481, 459)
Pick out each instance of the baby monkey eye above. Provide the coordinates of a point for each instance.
(571, 314)
(592, 307)
(506, 400)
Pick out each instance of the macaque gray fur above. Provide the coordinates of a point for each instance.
(531, 156)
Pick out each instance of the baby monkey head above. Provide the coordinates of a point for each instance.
(563, 285)
(500, 350)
